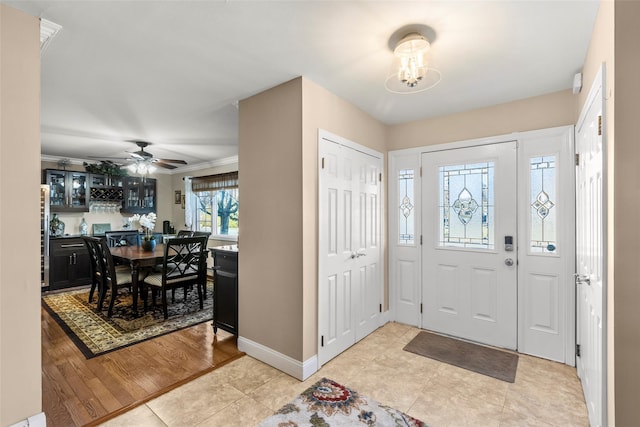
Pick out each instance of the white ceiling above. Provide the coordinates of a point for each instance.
(171, 72)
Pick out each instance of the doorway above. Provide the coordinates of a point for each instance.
(469, 281)
(482, 240)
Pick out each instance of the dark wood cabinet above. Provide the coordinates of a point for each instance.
(139, 195)
(69, 263)
(225, 288)
(67, 190)
(106, 188)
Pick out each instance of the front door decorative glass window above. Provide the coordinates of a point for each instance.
(543, 214)
(467, 206)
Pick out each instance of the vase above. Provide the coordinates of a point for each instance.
(148, 245)
(56, 227)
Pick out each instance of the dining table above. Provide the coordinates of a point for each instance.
(138, 259)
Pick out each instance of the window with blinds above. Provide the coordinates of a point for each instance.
(216, 204)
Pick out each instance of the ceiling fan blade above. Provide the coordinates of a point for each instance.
(138, 155)
(164, 165)
(181, 162)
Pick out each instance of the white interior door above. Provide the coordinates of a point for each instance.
(350, 274)
(590, 250)
(469, 250)
(367, 243)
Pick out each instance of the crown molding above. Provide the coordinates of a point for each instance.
(206, 165)
(188, 168)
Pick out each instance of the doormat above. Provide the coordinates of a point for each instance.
(488, 361)
(327, 403)
(94, 333)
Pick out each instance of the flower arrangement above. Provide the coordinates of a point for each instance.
(147, 224)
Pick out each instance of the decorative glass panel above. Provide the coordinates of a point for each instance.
(406, 204)
(542, 217)
(467, 206)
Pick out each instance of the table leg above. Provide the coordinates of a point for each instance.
(134, 287)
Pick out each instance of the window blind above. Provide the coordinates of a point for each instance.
(214, 182)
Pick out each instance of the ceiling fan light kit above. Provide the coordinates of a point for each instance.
(142, 162)
(413, 74)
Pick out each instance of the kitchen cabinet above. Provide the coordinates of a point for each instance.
(139, 195)
(67, 190)
(105, 188)
(225, 288)
(105, 181)
(69, 263)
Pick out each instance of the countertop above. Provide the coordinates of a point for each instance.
(225, 248)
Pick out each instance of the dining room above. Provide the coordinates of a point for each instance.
(129, 314)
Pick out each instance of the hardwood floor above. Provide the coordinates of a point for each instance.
(81, 392)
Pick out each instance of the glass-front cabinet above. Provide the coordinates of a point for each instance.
(105, 181)
(67, 191)
(139, 195)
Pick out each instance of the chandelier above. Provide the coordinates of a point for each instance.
(410, 64)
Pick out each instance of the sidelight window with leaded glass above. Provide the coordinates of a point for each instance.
(543, 201)
(467, 206)
(406, 201)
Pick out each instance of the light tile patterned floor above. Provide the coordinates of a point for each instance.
(246, 391)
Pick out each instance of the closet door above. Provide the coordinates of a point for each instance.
(350, 273)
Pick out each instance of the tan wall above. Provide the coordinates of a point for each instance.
(20, 360)
(545, 111)
(626, 196)
(270, 240)
(324, 110)
(278, 238)
(601, 50)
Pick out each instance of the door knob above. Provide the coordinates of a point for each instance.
(508, 262)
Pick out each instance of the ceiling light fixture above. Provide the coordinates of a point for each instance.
(411, 73)
(142, 167)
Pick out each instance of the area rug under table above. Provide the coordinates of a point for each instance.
(94, 333)
(327, 403)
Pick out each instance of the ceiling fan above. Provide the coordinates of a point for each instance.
(145, 158)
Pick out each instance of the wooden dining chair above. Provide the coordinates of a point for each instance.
(122, 238)
(93, 247)
(113, 277)
(184, 264)
(190, 233)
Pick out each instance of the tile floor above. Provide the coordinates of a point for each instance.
(246, 391)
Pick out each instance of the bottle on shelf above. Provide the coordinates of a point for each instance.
(83, 227)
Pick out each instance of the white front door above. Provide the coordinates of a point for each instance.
(591, 254)
(350, 273)
(470, 244)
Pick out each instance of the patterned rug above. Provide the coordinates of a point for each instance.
(95, 334)
(327, 403)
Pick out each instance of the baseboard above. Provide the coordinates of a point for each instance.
(282, 362)
(385, 317)
(38, 420)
